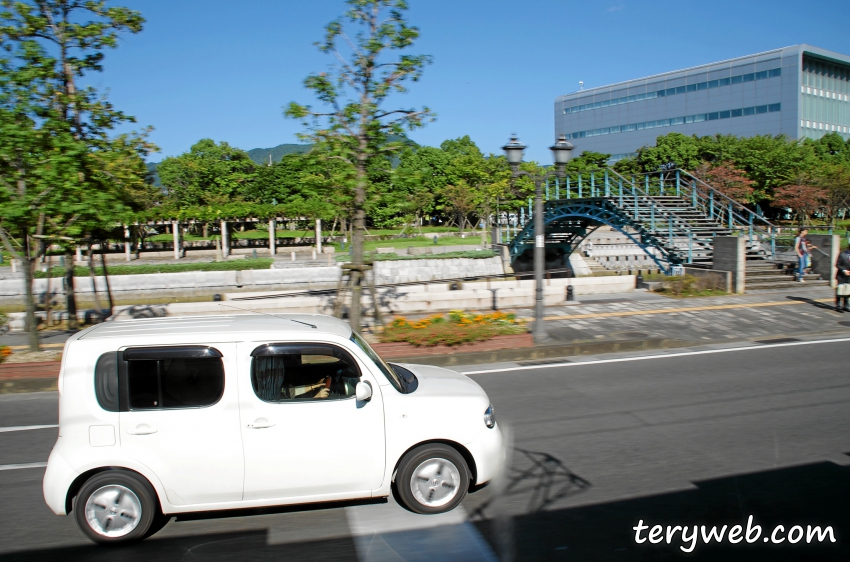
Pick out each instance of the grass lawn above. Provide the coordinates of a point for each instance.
(230, 265)
(473, 254)
(417, 242)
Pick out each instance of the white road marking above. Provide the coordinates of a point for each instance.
(390, 533)
(24, 465)
(647, 357)
(26, 428)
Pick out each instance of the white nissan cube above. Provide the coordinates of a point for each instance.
(172, 415)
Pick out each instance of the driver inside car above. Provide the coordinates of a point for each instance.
(322, 377)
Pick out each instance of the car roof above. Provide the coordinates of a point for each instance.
(274, 325)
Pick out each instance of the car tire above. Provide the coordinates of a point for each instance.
(432, 479)
(116, 507)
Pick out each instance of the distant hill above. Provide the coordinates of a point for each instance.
(261, 155)
(152, 166)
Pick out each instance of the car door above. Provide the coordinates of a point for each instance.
(180, 418)
(304, 433)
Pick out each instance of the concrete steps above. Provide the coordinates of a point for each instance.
(776, 275)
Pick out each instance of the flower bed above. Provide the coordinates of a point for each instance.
(453, 329)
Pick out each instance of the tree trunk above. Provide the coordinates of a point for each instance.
(29, 268)
(70, 297)
(48, 305)
(106, 279)
(97, 305)
(357, 243)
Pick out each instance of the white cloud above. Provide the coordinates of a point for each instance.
(616, 8)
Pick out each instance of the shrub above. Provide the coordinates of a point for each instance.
(456, 328)
(5, 352)
(689, 286)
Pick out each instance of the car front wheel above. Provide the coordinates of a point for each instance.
(432, 479)
(115, 506)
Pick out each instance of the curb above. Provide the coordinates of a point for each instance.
(17, 386)
(543, 352)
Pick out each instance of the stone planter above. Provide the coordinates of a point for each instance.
(403, 349)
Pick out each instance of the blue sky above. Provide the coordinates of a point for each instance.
(224, 69)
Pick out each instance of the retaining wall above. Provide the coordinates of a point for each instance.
(397, 300)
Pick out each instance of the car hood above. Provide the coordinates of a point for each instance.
(436, 381)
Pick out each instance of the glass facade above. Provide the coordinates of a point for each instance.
(665, 92)
(825, 98)
(698, 118)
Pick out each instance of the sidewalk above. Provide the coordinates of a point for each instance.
(642, 321)
(615, 323)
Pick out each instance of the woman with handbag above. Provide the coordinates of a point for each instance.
(842, 278)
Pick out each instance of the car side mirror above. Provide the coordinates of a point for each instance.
(363, 391)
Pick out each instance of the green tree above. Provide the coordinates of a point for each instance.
(38, 161)
(355, 126)
(588, 161)
(674, 147)
(71, 36)
(420, 176)
(209, 174)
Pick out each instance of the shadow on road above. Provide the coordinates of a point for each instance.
(539, 478)
(823, 305)
(813, 494)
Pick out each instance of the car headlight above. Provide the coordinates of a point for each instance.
(490, 417)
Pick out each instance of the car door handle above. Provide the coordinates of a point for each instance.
(260, 423)
(141, 429)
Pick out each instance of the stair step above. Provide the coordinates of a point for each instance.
(785, 285)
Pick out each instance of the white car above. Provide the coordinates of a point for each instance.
(173, 415)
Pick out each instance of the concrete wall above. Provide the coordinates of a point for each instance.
(823, 261)
(177, 285)
(730, 254)
(404, 271)
(398, 300)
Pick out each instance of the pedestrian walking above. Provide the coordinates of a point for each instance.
(801, 247)
(842, 278)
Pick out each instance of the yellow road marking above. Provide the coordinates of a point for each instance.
(676, 310)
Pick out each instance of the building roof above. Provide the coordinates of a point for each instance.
(792, 49)
(218, 325)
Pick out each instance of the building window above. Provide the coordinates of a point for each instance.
(738, 79)
(744, 111)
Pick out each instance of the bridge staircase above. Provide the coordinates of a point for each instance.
(769, 274)
(672, 215)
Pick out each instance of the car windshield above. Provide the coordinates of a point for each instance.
(391, 375)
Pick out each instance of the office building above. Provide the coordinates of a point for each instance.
(799, 91)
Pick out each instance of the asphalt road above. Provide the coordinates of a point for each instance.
(599, 445)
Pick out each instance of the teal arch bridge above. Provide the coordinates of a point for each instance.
(672, 215)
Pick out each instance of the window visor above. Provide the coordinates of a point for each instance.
(164, 353)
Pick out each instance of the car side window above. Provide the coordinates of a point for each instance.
(173, 377)
(290, 372)
(106, 381)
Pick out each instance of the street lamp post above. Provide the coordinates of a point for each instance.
(561, 152)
